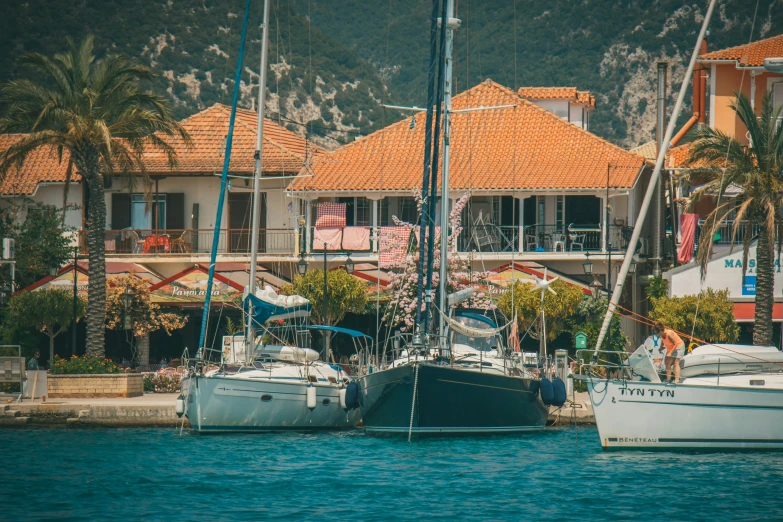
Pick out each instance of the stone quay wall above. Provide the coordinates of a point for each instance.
(111, 385)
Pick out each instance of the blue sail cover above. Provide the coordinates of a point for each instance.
(264, 311)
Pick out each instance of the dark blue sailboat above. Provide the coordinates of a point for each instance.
(461, 381)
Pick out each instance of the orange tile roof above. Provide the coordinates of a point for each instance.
(558, 93)
(752, 54)
(679, 158)
(648, 151)
(283, 152)
(41, 166)
(524, 148)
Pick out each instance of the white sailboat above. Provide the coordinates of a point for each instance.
(273, 387)
(708, 410)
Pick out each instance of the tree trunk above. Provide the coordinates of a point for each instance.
(50, 333)
(762, 329)
(143, 349)
(88, 163)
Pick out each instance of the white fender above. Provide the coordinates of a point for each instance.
(341, 393)
(311, 399)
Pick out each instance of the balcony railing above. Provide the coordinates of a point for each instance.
(723, 234)
(542, 238)
(194, 241)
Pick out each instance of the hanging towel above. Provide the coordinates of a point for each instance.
(331, 237)
(688, 224)
(394, 245)
(356, 238)
(330, 215)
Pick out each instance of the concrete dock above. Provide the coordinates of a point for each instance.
(157, 410)
(149, 410)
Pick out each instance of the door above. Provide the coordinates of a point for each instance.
(582, 211)
(240, 211)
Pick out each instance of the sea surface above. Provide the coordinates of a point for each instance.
(560, 474)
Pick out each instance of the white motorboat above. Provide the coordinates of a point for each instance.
(709, 412)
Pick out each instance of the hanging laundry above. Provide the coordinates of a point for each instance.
(330, 215)
(394, 245)
(329, 237)
(688, 223)
(356, 238)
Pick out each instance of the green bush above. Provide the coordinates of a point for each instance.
(82, 365)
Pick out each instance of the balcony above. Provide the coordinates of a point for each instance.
(194, 242)
(542, 238)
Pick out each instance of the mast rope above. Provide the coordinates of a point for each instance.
(413, 401)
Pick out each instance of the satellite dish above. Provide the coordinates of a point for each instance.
(774, 65)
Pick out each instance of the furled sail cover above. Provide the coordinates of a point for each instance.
(470, 331)
(268, 306)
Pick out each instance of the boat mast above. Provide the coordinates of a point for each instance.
(223, 182)
(451, 25)
(637, 229)
(251, 287)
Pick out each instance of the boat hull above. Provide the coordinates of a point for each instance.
(659, 416)
(449, 401)
(222, 404)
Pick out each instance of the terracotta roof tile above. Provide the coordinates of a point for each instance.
(558, 93)
(283, 152)
(752, 54)
(678, 158)
(648, 151)
(41, 166)
(524, 147)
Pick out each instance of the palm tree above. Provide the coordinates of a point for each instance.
(721, 161)
(97, 112)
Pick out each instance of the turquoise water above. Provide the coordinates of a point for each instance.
(561, 474)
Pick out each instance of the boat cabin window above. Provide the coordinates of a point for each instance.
(482, 344)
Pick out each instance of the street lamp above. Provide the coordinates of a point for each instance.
(587, 266)
(349, 264)
(127, 301)
(301, 266)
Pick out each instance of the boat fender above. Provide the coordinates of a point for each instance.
(352, 395)
(547, 392)
(180, 406)
(311, 399)
(559, 392)
(341, 393)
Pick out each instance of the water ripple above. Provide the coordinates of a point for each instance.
(560, 474)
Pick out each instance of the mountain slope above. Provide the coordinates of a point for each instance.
(334, 62)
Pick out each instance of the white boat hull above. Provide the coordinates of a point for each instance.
(658, 416)
(227, 404)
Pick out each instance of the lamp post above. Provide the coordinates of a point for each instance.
(349, 266)
(301, 265)
(75, 299)
(127, 301)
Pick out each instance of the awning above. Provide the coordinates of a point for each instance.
(526, 273)
(190, 287)
(745, 312)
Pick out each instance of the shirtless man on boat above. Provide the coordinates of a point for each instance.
(675, 350)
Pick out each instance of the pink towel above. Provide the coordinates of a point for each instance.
(356, 238)
(330, 215)
(394, 245)
(688, 224)
(417, 231)
(331, 237)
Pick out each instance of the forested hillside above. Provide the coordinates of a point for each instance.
(334, 62)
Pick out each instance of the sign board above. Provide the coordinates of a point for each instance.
(580, 341)
(190, 285)
(724, 272)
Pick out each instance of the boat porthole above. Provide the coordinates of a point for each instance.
(326, 402)
(266, 398)
(757, 382)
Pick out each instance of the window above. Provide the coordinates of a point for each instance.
(363, 212)
(496, 210)
(144, 218)
(559, 211)
(407, 210)
(385, 220)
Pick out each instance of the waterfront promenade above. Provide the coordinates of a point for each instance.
(157, 410)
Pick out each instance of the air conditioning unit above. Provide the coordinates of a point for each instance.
(644, 246)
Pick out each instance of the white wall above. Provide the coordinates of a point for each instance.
(557, 107)
(723, 272)
(53, 195)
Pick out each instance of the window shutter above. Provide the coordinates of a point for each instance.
(175, 211)
(120, 211)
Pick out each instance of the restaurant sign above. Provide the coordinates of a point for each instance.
(190, 286)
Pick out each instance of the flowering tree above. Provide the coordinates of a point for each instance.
(145, 316)
(404, 274)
